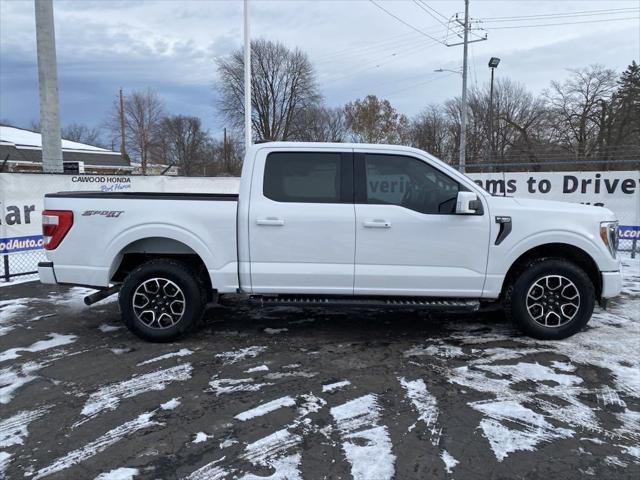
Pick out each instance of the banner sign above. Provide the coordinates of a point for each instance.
(21, 195)
(617, 191)
(22, 198)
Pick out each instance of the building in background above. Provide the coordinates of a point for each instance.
(21, 151)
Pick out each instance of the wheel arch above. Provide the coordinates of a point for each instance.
(559, 250)
(143, 249)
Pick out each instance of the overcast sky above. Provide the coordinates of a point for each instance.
(356, 49)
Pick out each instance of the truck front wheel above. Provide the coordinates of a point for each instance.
(551, 299)
(161, 299)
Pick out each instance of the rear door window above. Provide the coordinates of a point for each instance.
(306, 177)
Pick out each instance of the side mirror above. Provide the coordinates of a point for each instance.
(468, 203)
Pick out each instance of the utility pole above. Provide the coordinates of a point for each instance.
(247, 79)
(123, 145)
(48, 82)
(463, 113)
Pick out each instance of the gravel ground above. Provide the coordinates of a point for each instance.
(288, 393)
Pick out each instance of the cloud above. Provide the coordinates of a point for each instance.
(171, 47)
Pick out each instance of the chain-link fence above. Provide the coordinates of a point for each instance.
(22, 265)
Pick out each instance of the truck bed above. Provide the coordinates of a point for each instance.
(109, 225)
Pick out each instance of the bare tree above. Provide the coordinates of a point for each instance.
(321, 124)
(77, 132)
(430, 131)
(143, 113)
(374, 120)
(576, 107)
(282, 85)
(184, 143)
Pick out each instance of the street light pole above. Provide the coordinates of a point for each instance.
(493, 63)
(463, 113)
(247, 79)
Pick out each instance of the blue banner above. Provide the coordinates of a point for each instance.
(21, 244)
(629, 232)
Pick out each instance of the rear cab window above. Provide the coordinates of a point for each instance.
(308, 177)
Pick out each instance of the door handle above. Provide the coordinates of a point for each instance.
(378, 223)
(271, 221)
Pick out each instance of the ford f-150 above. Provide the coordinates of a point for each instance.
(335, 224)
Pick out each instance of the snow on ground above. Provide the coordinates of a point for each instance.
(366, 443)
(13, 430)
(144, 420)
(55, 340)
(183, 352)
(356, 395)
(110, 396)
(241, 354)
(266, 408)
(335, 386)
(119, 474)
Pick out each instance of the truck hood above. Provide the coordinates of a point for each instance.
(551, 207)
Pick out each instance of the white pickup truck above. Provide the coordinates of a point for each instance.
(327, 224)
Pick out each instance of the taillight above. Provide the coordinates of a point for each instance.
(55, 225)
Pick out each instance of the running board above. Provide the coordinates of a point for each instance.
(441, 304)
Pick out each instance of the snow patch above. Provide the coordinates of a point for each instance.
(211, 471)
(335, 386)
(233, 385)
(171, 404)
(13, 430)
(275, 331)
(533, 428)
(183, 352)
(5, 459)
(119, 474)
(261, 368)
(201, 437)
(103, 442)
(109, 396)
(449, 462)
(106, 328)
(55, 340)
(366, 445)
(229, 358)
(227, 443)
(425, 404)
(266, 408)
(443, 351)
(13, 378)
(275, 451)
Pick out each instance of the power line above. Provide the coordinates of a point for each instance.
(564, 23)
(439, 77)
(420, 4)
(372, 49)
(434, 10)
(607, 11)
(378, 63)
(405, 23)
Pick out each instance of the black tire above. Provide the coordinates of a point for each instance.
(166, 318)
(527, 298)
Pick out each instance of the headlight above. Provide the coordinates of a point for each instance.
(609, 235)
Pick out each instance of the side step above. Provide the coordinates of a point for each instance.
(440, 304)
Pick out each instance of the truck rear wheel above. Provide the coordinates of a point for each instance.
(161, 300)
(551, 299)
